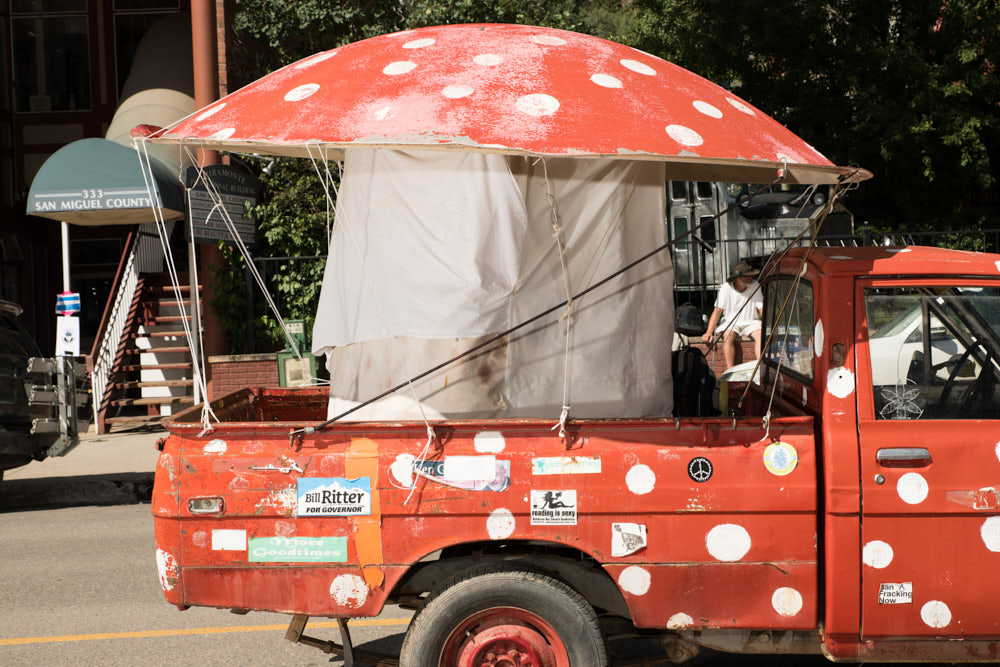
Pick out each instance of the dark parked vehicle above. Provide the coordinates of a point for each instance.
(33, 418)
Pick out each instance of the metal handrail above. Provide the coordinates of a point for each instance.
(145, 254)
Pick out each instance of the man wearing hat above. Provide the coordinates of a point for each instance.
(738, 303)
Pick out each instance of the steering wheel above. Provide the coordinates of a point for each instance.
(980, 388)
(949, 384)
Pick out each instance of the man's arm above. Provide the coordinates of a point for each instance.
(712, 321)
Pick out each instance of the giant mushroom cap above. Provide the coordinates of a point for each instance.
(512, 89)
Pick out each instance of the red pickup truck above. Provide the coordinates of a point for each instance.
(846, 505)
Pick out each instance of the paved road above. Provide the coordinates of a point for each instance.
(80, 586)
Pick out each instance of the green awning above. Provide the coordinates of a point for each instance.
(99, 182)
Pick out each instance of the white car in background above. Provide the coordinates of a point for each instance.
(893, 346)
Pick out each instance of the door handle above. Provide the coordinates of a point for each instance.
(903, 457)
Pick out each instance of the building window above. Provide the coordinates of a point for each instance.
(144, 5)
(47, 6)
(51, 57)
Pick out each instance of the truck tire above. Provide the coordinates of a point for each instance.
(482, 615)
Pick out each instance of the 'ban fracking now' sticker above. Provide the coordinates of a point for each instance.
(334, 496)
(896, 593)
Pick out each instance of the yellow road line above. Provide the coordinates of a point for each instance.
(361, 622)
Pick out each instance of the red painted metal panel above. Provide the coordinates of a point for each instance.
(929, 547)
(755, 529)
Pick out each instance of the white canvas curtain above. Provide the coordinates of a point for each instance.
(455, 247)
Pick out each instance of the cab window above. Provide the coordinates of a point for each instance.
(933, 351)
(788, 326)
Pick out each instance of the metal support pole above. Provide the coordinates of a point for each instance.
(65, 255)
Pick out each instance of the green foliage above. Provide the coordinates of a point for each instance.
(291, 225)
(228, 302)
(907, 89)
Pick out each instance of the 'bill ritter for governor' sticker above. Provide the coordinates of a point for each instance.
(334, 496)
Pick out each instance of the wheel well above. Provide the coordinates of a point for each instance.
(571, 566)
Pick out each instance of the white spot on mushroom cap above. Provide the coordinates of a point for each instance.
(679, 621)
(637, 67)
(996, 450)
(936, 614)
(384, 112)
(990, 532)
(489, 442)
(301, 92)
(456, 91)
(640, 479)
(419, 43)
(223, 134)
(707, 109)
(877, 554)
(818, 338)
(216, 446)
(488, 59)
(548, 40)
(840, 382)
(728, 542)
(684, 135)
(912, 488)
(316, 59)
(786, 601)
(398, 67)
(739, 106)
(634, 580)
(349, 590)
(537, 104)
(210, 112)
(606, 80)
(500, 524)
(997, 264)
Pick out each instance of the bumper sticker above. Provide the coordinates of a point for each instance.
(627, 538)
(298, 550)
(565, 465)
(896, 593)
(553, 508)
(334, 496)
(229, 540)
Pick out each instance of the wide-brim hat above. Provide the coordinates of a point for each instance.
(742, 269)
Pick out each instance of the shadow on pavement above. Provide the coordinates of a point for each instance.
(112, 489)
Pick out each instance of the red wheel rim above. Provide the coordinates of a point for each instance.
(504, 637)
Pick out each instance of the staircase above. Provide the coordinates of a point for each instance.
(152, 374)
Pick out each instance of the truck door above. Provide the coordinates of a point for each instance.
(929, 422)
(696, 262)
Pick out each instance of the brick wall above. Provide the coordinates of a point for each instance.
(232, 372)
(717, 360)
(221, 29)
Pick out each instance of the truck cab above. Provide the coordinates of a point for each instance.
(842, 506)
